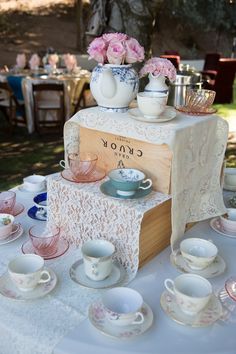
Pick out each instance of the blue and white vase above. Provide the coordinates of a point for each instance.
(114, 86)
(156, 84)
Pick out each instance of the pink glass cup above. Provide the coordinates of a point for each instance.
(199, 99)
(7, 202)
(44, 239)
(82, 165)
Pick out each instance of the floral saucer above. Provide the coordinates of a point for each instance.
(15, 234)
(97, 175)
(18, 208)
(97, 317)
(189, 111)
(168, 114)
(116, 278)
(9, 289)
(229, 188)
(63, 246)
(108, 189)
(215, 268)
(36, 214)
(210, 314)
(216, 226)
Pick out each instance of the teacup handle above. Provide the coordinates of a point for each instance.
(140, 320)
(149, 181)
(41, 280)
(169, 284)
(16, 229)
(62, 163)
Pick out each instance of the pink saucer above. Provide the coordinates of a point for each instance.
(18, 208)
(93, 177)
(230, 287)
(63, 246)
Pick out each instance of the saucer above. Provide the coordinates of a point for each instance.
(229, 187)
(15, 235)
(206, 317)
(9, 289)
(63, 246)
(217, 267)
(216, 226)
(97, 317)
(116, 277)
(35, 214)
(187, 110)
(230, 287)
(18, 208)
(108, 189)
(22, 189)
(168, 114)
(97, 175)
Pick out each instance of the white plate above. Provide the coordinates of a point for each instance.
(210, 314)
(215, 268)
(97, 317)
(216, 226)
(22, 189)
(229, 188)
(117, 276)
(168, 114)
(15, 235)
(9, 289)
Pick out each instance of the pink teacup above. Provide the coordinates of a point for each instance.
(6, 226)
(7, 202)
(44, 239)
(81, 165)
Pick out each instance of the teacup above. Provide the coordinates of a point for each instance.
(97, 256)
(34, 183)
(127, 181)
(26, 271)
(44, 239)
(123, 306)
(6, 226)
(81, 165)
(230, 176)
(151, 104)
(198, 253)
(192, 292)
(7, 202)
(41, 203)
(228, 221)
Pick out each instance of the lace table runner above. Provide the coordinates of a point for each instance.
(84, 213)
(198, 145)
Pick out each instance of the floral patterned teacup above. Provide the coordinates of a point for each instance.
(26, 271)
(192, 292)
(152, 104)
(123, 306)
(6, 225)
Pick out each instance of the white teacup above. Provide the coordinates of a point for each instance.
(192, 292)
(123, 306)
(26, 271)
(151, 104)
(230, 176)
(97, 256)
(6, 225)
(34, 183)
(198, 253)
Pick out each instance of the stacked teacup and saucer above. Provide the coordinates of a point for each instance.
(9, 230)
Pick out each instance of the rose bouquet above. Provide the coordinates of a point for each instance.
(116, 48)
(159, 67)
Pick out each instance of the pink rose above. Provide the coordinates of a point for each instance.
(21, 61)
(70, 61)
(114, 36)
(134, 51)
(116, 52)
(159, 66)
(34, 62)
(53, 59)
(97, 50)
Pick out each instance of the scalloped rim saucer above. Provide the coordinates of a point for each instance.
(14, 236)
(108, 189)
(98, 319)
(230, 287)
(95, 176)
(116, 278)
(10, 290)
(216, 226)
(168, 114)
(217, 267)
(210, 314)
(187, 110)
(63, 246)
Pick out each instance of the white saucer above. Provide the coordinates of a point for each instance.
(97, 317)
(216, 226)
(229, 188)
(215, 268)
(22, 189)
(168, 114)
(15, 235)
(210, 314)
(9, 289)
(116, 278)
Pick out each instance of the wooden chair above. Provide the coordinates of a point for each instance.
(211, 65)
(49, 107)
(84, 98)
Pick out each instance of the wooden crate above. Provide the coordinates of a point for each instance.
(155, 232)
(118, 151)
